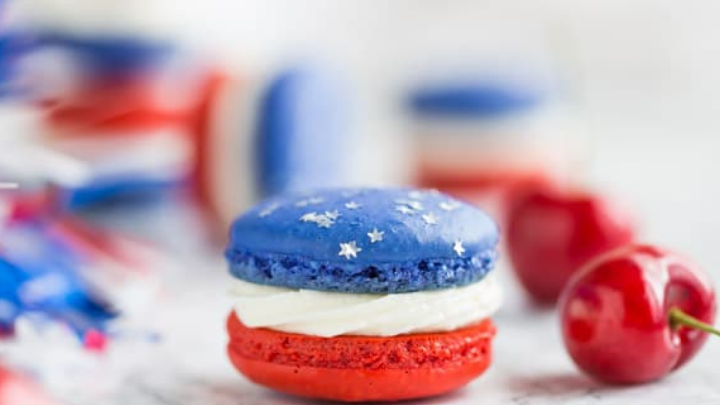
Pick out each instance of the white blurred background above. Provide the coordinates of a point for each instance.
(643, 75)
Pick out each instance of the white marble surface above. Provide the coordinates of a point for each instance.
(187, 366)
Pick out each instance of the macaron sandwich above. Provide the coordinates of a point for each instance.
(363, 294)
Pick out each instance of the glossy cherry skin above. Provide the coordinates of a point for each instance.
(615, 314)
(552, 232)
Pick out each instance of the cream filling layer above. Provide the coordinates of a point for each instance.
(328, 314)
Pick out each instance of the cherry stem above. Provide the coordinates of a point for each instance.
(680, 318)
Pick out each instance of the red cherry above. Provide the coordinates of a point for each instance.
(552, 232)
(635, 314)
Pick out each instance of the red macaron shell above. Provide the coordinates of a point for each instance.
(78, 117)
(114, 104)
(361, 368)
(201, 127)
(122, 113)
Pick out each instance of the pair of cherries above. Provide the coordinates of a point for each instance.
(630, 313)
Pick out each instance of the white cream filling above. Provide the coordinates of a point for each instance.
(328, 314)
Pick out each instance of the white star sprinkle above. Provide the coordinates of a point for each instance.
(321, 220)
(449, 205)
(309, 201)
(349, 250)
(324, 222)
(458, 247)
(269, 210)
(375, 236)
(332, 214)
(310, 217)
(352, 205)
(416, 195)
(430, 219)
(416, 205)
(404, 210)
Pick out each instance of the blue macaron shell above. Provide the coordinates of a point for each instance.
(108, 55)
(473, 99)
(363, 241)
(13, 46)
(301, 131)
(116, 189)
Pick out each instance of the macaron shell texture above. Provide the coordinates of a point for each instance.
(361, 368)
(383, 278)
(473, 99)
(414, 225)
(358, 385)
(363, 240)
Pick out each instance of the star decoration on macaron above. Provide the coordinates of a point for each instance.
(309, 217)
(415, 205)
(321, 220)
(352, 205)
(349, 250)
(458, 247)
(324, 222)
(375, 235)
(269, 210)
(430, 218)
(332, 214)
(309, 201)
(404, 209)
(449, 205)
